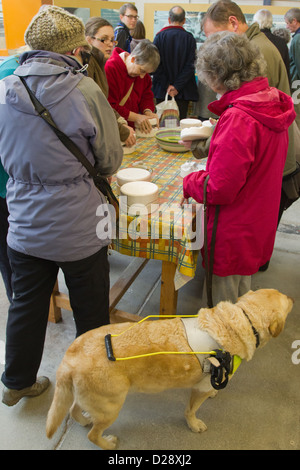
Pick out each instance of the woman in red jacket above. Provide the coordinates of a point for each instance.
(245, 161)
(130, 83)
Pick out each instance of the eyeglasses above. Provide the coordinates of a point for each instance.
(106, 40)
(132, 17)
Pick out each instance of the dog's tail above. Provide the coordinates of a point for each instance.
(62, 401)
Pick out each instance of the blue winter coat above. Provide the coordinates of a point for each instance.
(177, 48)
(52, 200)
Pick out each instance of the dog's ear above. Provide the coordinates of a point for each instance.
(276, 328)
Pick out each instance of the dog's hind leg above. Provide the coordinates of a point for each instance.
(198, 395)
(103, 413)
(79, 416)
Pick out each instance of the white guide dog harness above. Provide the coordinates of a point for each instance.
(198, 339)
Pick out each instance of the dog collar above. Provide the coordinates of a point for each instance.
(255, 332)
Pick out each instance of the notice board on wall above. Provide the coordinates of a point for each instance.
(86, 9)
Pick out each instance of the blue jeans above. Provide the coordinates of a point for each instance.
(5, 268)
(33, 282)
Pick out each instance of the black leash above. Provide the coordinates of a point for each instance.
(209, 263)
(255, 332)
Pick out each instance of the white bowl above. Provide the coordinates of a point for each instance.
(189, 122)
(196, 133)
(126, 175)
(140, 192)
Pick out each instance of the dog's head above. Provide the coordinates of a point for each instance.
(231, 324)
(269, 308)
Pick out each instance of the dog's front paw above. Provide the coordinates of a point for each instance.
(213, 394)
(196, 425)
(111, 442)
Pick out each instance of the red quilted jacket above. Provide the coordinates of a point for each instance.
(245, 164)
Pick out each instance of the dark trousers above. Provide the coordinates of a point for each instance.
(33, 282)
(4, 261)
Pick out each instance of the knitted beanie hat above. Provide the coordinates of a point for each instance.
(54, 29)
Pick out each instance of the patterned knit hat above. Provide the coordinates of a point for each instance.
(54, 29)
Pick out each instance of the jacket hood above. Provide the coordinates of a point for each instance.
(253, 31)
(45, 72)
(270, 106)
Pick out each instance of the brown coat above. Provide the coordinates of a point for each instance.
(97, 73)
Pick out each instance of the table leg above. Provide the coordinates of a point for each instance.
(61, 301)
(54, 310)
(168, 294)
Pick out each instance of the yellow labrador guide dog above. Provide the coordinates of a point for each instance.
(103, 365)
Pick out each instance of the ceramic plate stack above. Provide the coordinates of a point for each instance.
(140, 196)
(168, 140)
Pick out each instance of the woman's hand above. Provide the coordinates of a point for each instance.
(186, 143)
(143, 123)
(183, 201)
(131, 139)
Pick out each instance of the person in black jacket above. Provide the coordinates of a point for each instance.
(264, 19)
(176, 73)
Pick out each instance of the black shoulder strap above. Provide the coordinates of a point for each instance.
(100, 181)
(45, 114)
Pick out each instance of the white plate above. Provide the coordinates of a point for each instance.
(152, 133)
(128, 150)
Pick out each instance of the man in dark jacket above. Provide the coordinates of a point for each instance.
(176, 72)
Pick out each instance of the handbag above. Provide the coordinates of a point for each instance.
(168, 113)
(100, 181)
(209, 263)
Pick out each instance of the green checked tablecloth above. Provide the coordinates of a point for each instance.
(169, 232)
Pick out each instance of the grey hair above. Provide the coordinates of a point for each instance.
(146, 53)
(229, 59)
(283, 33)
(293, 13)
(264, 18)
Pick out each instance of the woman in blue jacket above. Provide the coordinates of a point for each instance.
(57, 217)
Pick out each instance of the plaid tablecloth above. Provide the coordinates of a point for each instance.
(168, 234)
